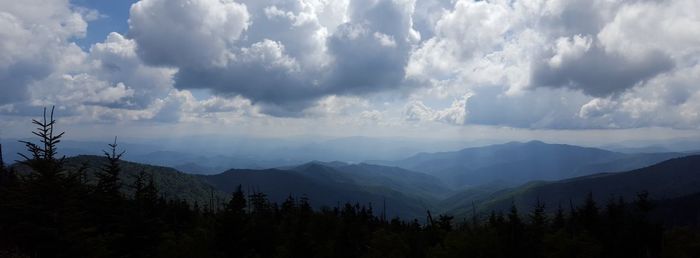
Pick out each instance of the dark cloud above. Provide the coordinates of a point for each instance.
(271, 86)
(378, 66)
(15, 77)
(582, 17)
(488, 106)
(427, 14)
(186, 33)
(285, 59)
(598, 73)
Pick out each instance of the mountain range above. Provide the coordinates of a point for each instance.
(397, 191)
(515, 163)
(483, 178)
(671, 179)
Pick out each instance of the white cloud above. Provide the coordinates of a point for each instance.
(644, 26)
(40, 65)
(456, 113)
(534, 64)
(603, 49)
(336, 105)
(372, 115)
(109, 75)
(471, 29)
(282, 55)
(79, 89)
(597, 108)
(34, 36)
(385, 40)
(187, 32)
(569, 48)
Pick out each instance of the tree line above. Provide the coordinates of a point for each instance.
(55, 212)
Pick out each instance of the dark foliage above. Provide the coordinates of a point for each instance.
(54, 213)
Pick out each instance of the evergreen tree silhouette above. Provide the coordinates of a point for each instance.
(589, 213)
(108, 182)
(8, 177)
(643, 204)
(43, 161)
(538, 216)
(559, 220)
(2, 161)
(237, 204)
(49, 200)
(107, 200)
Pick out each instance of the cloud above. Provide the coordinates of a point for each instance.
(283, 56)
(640, 27)
(33, 37)
(187, 33)
(81, 89)
(576, 64)
(110, 74)
(372, 115)
(670, 100)
(470, 29)
(571, 63)
(456, 114)
(336, 105)
(40, 65)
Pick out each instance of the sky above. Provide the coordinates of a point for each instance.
(559, 70)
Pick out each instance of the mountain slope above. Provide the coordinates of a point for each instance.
(322, 185)
(669, 179)
(171, 184)
(517, 163)
(629, 162)
(395, 178)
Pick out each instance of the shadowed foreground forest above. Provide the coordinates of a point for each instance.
(48, 210)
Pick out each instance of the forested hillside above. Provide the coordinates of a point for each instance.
(103, 207)
(669, 179)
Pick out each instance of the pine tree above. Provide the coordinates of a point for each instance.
(54, 201)
(492, 219)
(615, 210)
(538, 217)
(149, 194)
(642, 203)
(559, 220)
(513, 216)
(2, 162)
(107, 201)
(305, 209)
(445, 222)
(589, 213)
(289, 206)
(145, 192)
(145, 226)
(237, 204)
(7, 175)
(259, 203)
(108, 182)
(43, 161)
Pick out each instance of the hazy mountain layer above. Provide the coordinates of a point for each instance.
(516, 163)
(323, 186)
(669, 179)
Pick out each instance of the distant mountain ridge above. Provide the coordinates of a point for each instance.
(407, 194)
(670, 179)
(171, 184)
(323, 186)
(517, 163)
(487, 178)
(396, 178)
